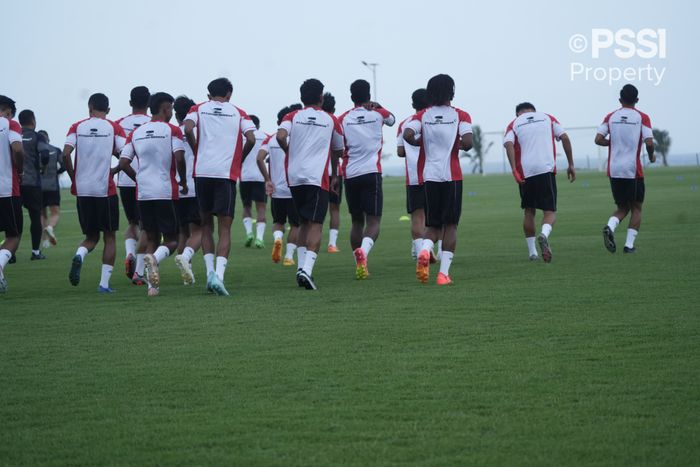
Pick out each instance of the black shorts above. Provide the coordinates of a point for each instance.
(539, 192)
(443, 203)
(31, 197)
(188, 211)
(364, 194)
(216, 196)
(11, 218)
(50, 198)
(159, 216)
(252, 191)
(98, 214)
(131, 210)
(283, 211)
(311, 202)
(415, 198)
(336, 199)
(627, 190)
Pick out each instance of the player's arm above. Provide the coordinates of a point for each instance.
(601, 140)
(409, 135)
(649, 143)
(68, 162)
(566, 144)
(260, 160)
(189, 134)
(400, 151)
(466, 142)
(336, 154)
(18, 157)
(510, 153)
(181, 170)
(125, 166)
(282, 135)
(249, 143)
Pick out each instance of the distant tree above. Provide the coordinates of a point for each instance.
(478, 152)
(662, 144)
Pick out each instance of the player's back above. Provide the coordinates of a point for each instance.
(534, 136)
(94, 140)
(628, 127)
(363, 140)
(129, 124)
(189, 163)
(10, 131)
(412, 153)
(276, 159)
(441, 126)
(249, 168)
(153, 148)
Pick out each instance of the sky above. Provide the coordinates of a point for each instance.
(499, 53)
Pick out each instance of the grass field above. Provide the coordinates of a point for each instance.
(592, 359)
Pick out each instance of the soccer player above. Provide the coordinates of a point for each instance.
(623, 132)
(415, 192)
(190, 238)
(52, 167)
(158, 148)
(315, 140)
(276, 186)
(252, 189)
(218, 155)
(133, 262)
(334, 199)
(30, 186)
(531, 151)
(442, 130)
(11, 160)
(94, 141)
(362, 127)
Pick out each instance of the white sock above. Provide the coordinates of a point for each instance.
(309, 261)
(248, 225)
(439, 252)
(531, 246)
(161, 253)
(209, 262)
(546, 230)
(5, 256)
(613, 222)
(277, 235)
(106, 274)
(140, 265)
(301, 256)
(82, 252)
(187, 254)
(631, 235)
(36, 252)
(333, 237)
(446, 262)
(290, 251)
(130, 246)
(367, 244)
(221, 266)
(417, 244)
(260, 231)
(427, 245)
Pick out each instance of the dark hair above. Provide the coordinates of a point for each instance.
(629, 94)
(99, 102)
(419, 99)
(524, 106)
(328, 103)
(139, 97)
(284, 111)
(43, 133)
(26, 117)
(182, 107)
(7, 103)
(359, 91)
(220, 87)
(441, 89)
(311, 91)
(157, 100)
(256, 120)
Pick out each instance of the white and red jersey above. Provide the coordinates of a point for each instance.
(10, 132)
(249, 169)
(275, 160)
(129, 124)
(441, 128)
(362, 129)
(152, 146)
(313, 133)
(412, 153)
(95, 140)
(189, 162)
(219, 151)
(628, 128)
(533, 135)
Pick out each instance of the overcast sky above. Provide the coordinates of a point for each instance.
(498, 52)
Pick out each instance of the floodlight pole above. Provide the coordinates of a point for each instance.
(373, 67)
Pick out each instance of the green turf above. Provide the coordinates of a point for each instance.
(593, 359)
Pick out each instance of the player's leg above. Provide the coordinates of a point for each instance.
(634, 225)
(301, 248)
(260, 207)
(131, 233)
(109, 254)
(529, 230)
(31, 198)
(334, 226)
(54, 215)
(208, 245)
(417, 230)
(11, 222)
(449, 244)
(548, 220)
(292, 242)
(620, 191)
(247, 201)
